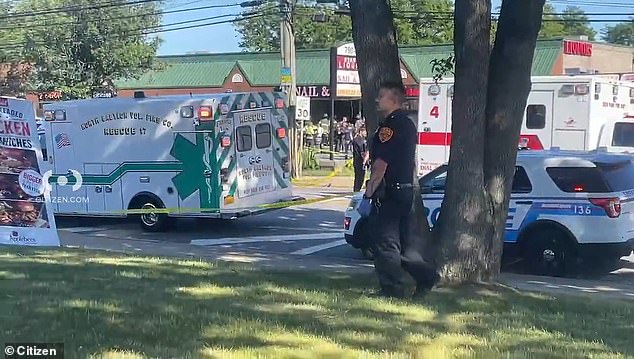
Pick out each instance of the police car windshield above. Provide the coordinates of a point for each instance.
(623, 135)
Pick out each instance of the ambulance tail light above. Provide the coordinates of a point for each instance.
(612, 206)
(224, 175)
(205, 113)
(281, 132)
(530, 142)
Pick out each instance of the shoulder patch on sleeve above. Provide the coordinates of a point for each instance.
(385, 134)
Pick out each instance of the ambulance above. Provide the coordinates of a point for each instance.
(217, 156)
(568, 112)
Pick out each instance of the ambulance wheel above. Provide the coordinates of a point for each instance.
(549, 252)
(150, 220)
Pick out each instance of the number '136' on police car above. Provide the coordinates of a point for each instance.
(566, 208)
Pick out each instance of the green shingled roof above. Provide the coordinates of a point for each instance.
(262, 69)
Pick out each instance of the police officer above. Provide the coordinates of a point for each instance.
(390, 188)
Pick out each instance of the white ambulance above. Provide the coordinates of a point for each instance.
(569, 112)
(219, 155)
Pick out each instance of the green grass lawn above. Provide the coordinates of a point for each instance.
(116, 306)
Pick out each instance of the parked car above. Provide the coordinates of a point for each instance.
(566, 207)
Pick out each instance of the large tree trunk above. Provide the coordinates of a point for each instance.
(508, 89)
(377, 52)
(465, 223)
(378, 60)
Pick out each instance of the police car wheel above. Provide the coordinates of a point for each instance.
(549, 253)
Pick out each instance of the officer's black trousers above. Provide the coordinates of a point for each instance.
(394, 249)
(359, 174)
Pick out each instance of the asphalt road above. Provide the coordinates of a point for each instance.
(314, 230)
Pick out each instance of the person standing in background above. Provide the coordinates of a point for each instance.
(360, 158)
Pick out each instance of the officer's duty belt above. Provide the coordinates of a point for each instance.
(398, 186)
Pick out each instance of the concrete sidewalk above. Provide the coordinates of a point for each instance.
(338, 182)
(614, 286)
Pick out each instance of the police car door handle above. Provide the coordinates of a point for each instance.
(525, 202)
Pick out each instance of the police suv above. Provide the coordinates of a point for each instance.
(566, 207)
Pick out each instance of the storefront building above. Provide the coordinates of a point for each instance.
(238, 72)
(582, 57)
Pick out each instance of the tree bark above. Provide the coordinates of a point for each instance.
(378, 60)
(377, 52)
(465, 222)
(508, 89)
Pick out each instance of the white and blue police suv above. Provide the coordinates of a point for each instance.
(566, 207)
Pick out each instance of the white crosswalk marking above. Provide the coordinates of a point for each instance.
(319, 248)
(262, 239)
(81, 229)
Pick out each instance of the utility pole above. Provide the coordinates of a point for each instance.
(287, 47)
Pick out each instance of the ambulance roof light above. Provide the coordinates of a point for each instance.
(568, 89)
(205, 113)
(60, 115)
(49, 116)
(434, 90)
(581, 89)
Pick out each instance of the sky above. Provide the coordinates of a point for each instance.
(223, 37)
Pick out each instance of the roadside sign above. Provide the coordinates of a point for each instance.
(27, 216)
(303, 108)
(286, 76)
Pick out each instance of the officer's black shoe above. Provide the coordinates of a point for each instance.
(422, 289)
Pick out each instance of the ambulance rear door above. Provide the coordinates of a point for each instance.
(254, 151)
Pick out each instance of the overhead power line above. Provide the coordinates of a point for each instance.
(141, 31)
(74, 8)
(22, 26)
(119, 3)
(580, 3)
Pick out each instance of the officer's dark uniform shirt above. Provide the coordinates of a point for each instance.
(359, 146)
(395, 143)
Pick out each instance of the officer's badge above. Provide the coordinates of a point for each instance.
(385, 134)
